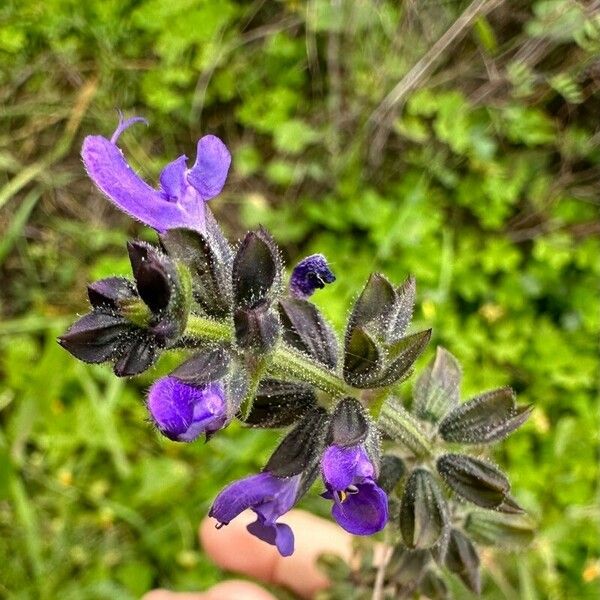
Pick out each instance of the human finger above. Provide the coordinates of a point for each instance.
(227, 590)
(234, 549)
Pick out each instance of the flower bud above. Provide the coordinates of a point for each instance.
(165, 289)
(424, 514)
(487, 418)
(182, 412)
(473, 479)
(256, 270)
(152, 272)
(462, 559)
(256, 329)
(310, 274)
(96, 337)
(374, 305)
(111, 292)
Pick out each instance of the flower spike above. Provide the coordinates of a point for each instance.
(259, 351)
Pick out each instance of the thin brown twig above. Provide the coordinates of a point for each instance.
(60, 149)
(425, 64)
(381, 118)
(335, 85)
(380, 577)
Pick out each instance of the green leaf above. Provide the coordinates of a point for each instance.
(529, 126)
(503, 530)
(437, 390)
(293, 136)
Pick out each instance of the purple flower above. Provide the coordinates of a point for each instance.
(310, 274)
(360, 505)
(269, 497)
(179, 202)
(183, 412)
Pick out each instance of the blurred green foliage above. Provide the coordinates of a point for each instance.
(482, 180)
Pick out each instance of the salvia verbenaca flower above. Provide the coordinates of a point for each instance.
(182, 412)
(310, 274)
(180, 200)
(349, 473)
(269, 497)
(288, 474)
(360, 505)
(261, 351)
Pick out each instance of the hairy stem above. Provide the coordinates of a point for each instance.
(289, 363)
(399, 424)
(208, 330)
(256, 375)
(284, 361)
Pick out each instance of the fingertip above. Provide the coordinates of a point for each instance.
(155, 595)
(232, 548)
(227, 590)
(168, 595)
(238, 590)
(314, 536)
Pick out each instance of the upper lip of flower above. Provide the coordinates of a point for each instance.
(310, 274)
(269, 497)
(179, 202)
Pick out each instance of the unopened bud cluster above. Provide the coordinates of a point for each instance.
(258, 350)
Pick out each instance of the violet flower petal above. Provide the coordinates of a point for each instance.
(364, 512)
(343, 467)
(172, 179)
(310, 274)
(272, 496)
(277, 534)
(182, 412)
(107, 168)
(338, 465)
(269, 497)
(210, 170)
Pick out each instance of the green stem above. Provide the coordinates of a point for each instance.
(255, 377)
(208, 329)
(397, 422)
(284, 361)
(289, 362)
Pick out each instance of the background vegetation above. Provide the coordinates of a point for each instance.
(472, 162)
